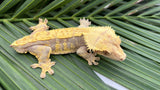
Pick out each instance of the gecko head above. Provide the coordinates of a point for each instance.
(42, 24)
(111, 47)
(116, 53)
(105, 42)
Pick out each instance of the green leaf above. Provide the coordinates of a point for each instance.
(50, 7)
(135, 21)
(7, 4)
(29, 4)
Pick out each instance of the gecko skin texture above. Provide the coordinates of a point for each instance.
(86, 41)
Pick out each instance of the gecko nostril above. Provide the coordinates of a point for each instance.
(121, 59)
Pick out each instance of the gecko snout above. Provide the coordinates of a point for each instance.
(123, 57)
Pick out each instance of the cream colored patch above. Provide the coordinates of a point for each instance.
(65, 45)
(57, 46)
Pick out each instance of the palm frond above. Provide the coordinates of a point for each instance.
(136, 21)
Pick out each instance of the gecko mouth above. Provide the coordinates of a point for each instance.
(115, 57)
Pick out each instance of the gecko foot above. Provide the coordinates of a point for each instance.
(84, 22)
(46, 67)
(93, 60)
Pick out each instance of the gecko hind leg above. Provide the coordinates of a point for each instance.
(42, 53)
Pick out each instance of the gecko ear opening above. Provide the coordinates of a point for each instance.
(106, 52)
(108, 48)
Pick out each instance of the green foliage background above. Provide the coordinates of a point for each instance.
(136, 21)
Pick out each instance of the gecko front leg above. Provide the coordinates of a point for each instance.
(90, 57)
(42, 53)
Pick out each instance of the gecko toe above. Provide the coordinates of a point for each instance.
(89, 63)
(35, 65)
(97, 58)
(53, 63)
(95, 63)
(50, 71)
(43, 74)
